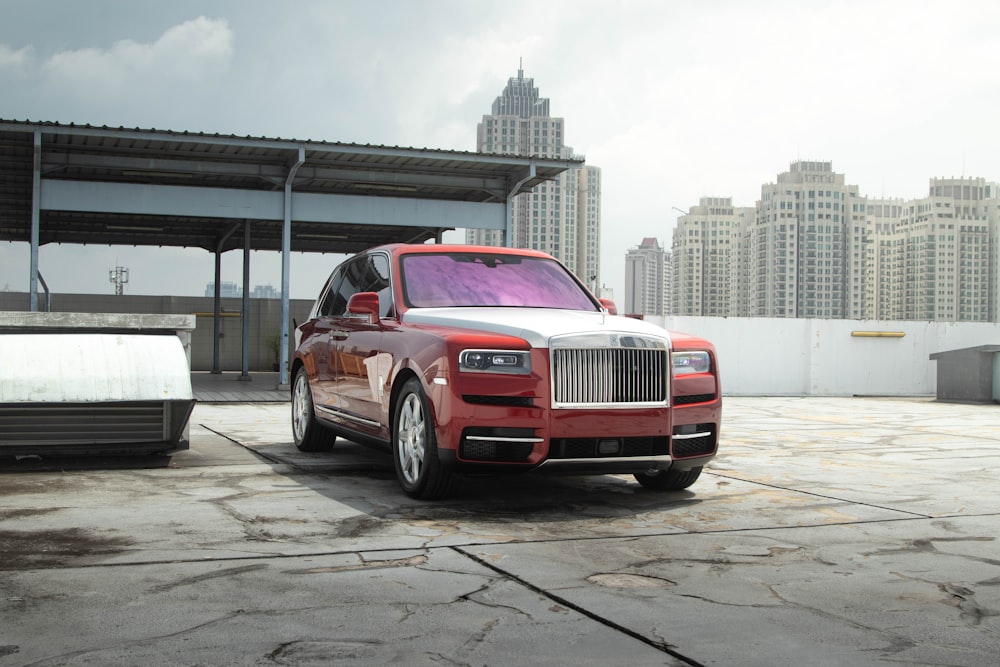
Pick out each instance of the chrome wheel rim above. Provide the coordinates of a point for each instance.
(301, 407)
(410, 436)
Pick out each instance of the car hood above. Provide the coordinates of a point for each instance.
(535, 325)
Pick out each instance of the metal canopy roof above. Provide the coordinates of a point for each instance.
(85, 170)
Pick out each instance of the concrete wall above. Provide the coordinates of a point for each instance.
(758, 356)
(264, 318)
(798, 357)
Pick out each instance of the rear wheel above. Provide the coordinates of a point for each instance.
(414, 447)
(309, 434)
(668, 480)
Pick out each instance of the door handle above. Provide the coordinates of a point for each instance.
(339, 334)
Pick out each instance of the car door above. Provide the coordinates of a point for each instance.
(362, 369)
(319, 347)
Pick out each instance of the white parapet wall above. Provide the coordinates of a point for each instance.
(802, 357)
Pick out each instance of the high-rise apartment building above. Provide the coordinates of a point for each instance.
(943, 255)
(704, 277)
(647, 279)
(227, 289)
(561, 217)
(808, 245)
(884, 268)
(813, 247)
(991, 210)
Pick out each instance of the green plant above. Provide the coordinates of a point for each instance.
(273, 343)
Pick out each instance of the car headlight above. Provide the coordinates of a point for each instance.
(686, 363)
(495, 361)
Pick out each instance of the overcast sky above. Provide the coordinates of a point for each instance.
(673, 100)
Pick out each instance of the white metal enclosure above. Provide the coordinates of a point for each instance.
(92, 389)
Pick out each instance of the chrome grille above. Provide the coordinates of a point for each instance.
(610, 376)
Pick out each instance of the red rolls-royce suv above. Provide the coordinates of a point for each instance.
(482, 359)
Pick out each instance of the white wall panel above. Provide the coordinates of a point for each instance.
(799, 357)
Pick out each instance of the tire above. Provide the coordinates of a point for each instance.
(414, 447)
(668, 480)
(309, 434)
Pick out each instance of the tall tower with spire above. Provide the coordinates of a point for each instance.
(560, 217)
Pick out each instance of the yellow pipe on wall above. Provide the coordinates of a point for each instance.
(878, 334)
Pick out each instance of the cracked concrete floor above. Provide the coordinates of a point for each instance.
(845, 531)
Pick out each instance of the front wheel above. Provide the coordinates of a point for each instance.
(309, 434)
(668, 480)
(414, 447)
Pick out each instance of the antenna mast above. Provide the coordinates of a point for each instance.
(118, 276)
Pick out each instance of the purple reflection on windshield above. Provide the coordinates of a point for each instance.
(480, 279)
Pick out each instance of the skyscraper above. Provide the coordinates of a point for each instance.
(703, 261)
(809, 245)
(646, 279)
(815, 248)
(885, 266)
(561, 217)
(943, 245)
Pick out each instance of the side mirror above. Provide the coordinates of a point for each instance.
(364, 303)
(610, 306)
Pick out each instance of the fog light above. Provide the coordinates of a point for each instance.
(608, 447)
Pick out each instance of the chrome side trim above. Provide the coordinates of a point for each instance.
(349, 417)
(487, 438)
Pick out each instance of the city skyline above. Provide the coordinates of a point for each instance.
(671, 100)
(813, 246)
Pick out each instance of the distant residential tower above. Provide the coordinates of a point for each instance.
(647, 276)
(815, 248)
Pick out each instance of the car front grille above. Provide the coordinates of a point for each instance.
(616, 376)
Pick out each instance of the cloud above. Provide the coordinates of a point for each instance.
(17, 63)
(192, 53)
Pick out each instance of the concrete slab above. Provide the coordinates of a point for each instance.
(401, 607)
(907, 592)
(234, 387)
(829, 531)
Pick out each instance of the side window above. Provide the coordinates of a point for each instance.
(327, 305)
(353, 276)
(369, 274)
(342, 286)
(378, 281)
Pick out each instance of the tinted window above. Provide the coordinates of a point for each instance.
(329, 299)
(479, 279)
(364, 274)
(377, 280)
(351, 275)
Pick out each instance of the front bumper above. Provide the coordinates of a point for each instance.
(585, 442)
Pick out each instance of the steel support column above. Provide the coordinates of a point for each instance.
(286, 246)
(508, 234)
(36, 217)
(245, 319)
(217, 314)
(217, 306)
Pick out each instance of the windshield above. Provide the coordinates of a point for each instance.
(479, 279)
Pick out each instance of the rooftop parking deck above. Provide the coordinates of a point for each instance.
(829, 531)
